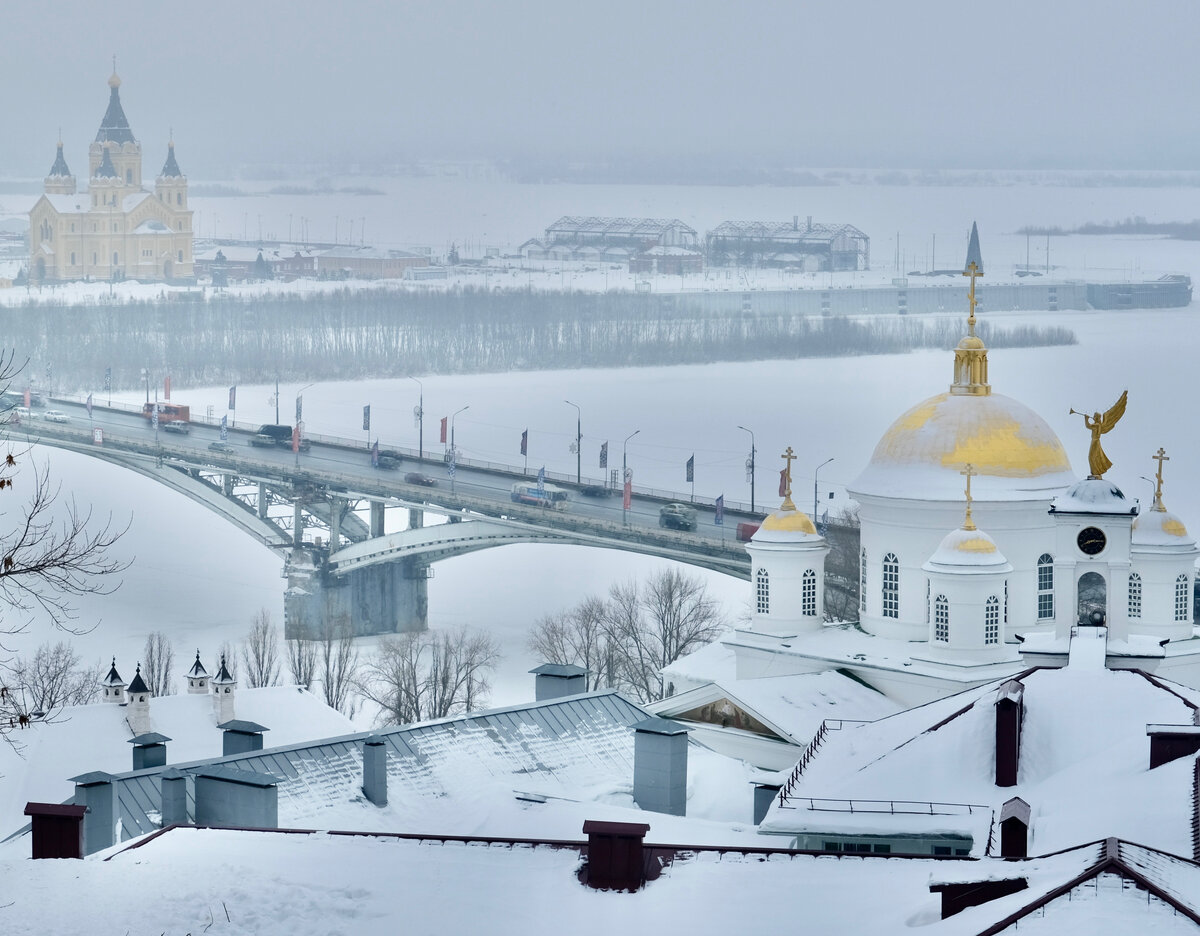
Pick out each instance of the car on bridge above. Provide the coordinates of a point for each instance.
(224, 448)
(388, 460)
(415, 477)
(177, 426)
(57, 416)
(263, 440)
(677, 517)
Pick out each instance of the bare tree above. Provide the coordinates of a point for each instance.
(418, 676)
(842, 568)
(577, 636)
(53, 678)
(158, 665)
(260, 652)
(301, 656)
(337, 662)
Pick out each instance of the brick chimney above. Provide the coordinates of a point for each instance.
(1009, 708)
(616, 857)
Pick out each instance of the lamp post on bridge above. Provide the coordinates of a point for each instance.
(626, 480)
(753, 450)
(420, 418)
(453, 447)
(299, 420)
(578, 441)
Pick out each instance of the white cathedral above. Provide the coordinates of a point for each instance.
(980, 554)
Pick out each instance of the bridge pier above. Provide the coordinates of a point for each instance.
(262, 501)
(227, 485)
(416, 518)
(388, 598)
(335, 523)
(297, 522)
(376, 519)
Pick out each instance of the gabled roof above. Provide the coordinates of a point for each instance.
(114, 128)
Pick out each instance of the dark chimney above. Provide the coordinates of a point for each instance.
(173, 789)
(374, 784)
(1009, 707)
(1014, 829)
(660, 766)
(57, 829)
(149, 750)
(1171, 742)
(231, 798)
(615, 854)
(96, 791)
(241, 737)
(556, 680)
(764, 796)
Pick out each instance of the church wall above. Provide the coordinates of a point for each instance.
(1159, 573)
(785, 565)
(912, 530)
(967, 595)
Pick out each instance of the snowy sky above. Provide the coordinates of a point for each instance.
(1078, 83)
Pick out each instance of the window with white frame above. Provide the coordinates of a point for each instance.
(891, 586)
(1181, 598)
(941, 619)
(991, 621)
(1045, 580)
(862, 581)
(808, 593)
(762, 592)
(1135, 595)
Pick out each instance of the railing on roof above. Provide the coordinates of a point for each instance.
(891, 807)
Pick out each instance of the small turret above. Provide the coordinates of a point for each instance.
(224, 689)
(59, 181)
(197, 678)
(114, 685)
(139, 704)
(171, 185)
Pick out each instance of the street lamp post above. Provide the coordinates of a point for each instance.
(146, 374)
(753, 450)
(625, 474)
(420, 419)
(578, 441)
(815, 473)
(299, 418)
(453, 448)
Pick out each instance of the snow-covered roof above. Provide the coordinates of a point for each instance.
(93, 737)
(1083, 765)
(1093, 496)
(968, 549)
(68, 204)
(151, 226)
(132, 200)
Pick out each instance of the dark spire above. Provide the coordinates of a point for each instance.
(60, 165)
(197, 671)
(170, 168)
(973, 253)
(114, 128)
(113, 678)
(106, 170)
(223, 676)
(138, 684)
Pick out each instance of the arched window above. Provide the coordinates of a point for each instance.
(1135, 595)
(1045, 593)
(941, 619)
(1181, 598)
(891, 586)
(991, 621)
(762, 592)
(862, 582)
(808, 593)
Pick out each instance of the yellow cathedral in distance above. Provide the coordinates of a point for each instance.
(116, 229)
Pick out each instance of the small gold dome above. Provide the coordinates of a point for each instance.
(971, 343)
(114, 81)
(789, 521)
(975, 544)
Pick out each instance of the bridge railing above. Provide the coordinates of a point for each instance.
(514, 471)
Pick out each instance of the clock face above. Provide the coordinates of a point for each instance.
(1091, 541)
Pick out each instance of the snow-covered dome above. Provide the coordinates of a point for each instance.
(967, 547)
(787, 526)
(1013, 450)
(1093, 496)
(1159, 527)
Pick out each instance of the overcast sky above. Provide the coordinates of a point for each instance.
(873, 83)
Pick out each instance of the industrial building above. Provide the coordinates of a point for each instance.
(808, 247)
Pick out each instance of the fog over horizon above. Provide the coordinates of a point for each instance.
(656, 91)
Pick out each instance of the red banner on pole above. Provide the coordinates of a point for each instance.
(783, 482)
(524, 442)
(167, 387)
(628, 490)
(295, 443)
(445, 420)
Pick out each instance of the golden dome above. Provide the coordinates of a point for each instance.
(1008, 445)
(970, 343)
(114, 81)
(789, 521)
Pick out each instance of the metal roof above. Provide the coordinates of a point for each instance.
(632, 227)
(785, 231)
(582, 738)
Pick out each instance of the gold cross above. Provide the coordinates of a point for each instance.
(969, 470)
(971, 271)
(1160, 458)
(789, 457)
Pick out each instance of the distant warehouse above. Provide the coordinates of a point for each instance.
(611, 240)
(807, 247)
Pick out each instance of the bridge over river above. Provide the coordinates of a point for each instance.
(326, 508)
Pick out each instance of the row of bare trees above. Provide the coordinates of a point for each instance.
(625, 639)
